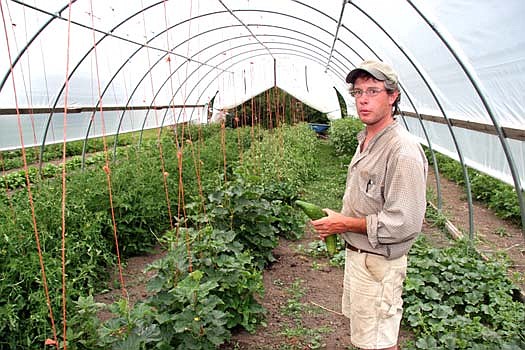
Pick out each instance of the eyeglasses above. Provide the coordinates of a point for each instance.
(372, 92)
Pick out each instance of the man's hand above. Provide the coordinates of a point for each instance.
(336, 223)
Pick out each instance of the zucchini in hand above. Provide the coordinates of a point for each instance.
(315, 212)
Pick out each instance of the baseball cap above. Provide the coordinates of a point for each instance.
(379, 70)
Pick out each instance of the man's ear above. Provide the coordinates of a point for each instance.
(393, 97)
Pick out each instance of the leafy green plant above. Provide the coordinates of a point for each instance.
(84, 323)
(436, 217)
(296, 309)
(141, 218)
(287, 155)
(502, 232)
(343, 136)
(314, 338)
(240, 207)
(13, 159)
(132, 328)
(227, 273)
(454, 299)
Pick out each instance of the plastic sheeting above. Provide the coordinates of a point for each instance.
(130, 53)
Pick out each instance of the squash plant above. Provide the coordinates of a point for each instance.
(455, 300)
(191, 310)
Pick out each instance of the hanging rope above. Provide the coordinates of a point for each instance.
(64, 173)
(223, 148)
(53, 341)
(197, 166)
(164, 173)
(106, 167)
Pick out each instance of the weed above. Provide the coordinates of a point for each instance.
(502, 232)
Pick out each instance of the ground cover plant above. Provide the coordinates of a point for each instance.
(456, 300)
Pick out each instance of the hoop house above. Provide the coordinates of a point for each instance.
(148, 64)
(82, 70)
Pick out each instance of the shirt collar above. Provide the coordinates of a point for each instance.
(361, 136)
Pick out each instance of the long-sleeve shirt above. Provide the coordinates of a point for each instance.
(386, 184)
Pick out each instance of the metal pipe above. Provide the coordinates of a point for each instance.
(476, 83)
(247, 28)
(426, 80)
(336, 34)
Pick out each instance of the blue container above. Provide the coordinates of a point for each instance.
(319, 128)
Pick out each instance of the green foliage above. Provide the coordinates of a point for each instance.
(17, 179)
(224, 259)
(238, 189)
(86, 255)
(328, 189)
(258, 212)
(286, 155)
(239, 207)
(455, 300)
(133, 328)
(497, 195)
(343, 136)
(84, 323)
(300, 336)
(191, 310)
(196, 132)
(139, 202)
(342, 104)
(436, 218)
(14, 159)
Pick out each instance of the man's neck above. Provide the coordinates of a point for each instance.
(373, 129)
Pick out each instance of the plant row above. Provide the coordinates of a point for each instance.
(456, 300)
(233, 187)
(14, 159)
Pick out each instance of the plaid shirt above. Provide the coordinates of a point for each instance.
(386, 183)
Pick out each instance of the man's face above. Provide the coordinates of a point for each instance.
(376, 109)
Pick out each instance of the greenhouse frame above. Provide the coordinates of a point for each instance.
(460, 80)
(84, 69)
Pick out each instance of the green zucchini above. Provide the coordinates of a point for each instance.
(315, 212)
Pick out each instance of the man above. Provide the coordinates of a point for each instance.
(383, 210)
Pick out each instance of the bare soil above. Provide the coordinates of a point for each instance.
(303, 293)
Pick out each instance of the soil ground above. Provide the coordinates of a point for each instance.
(303, 293)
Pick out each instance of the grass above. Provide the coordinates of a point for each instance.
(328, 190)
(304, 338)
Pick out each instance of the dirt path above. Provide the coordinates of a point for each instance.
(303, 296)
(321, 324)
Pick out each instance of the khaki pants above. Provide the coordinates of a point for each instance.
(372, 300)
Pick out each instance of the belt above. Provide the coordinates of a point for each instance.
(358, 250)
